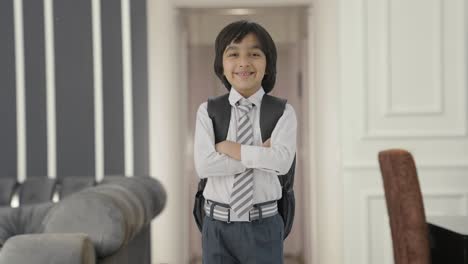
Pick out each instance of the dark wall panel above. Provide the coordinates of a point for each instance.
(74, 88)
(8, 150)
(140, 87)
(112, 87)
(35, 88)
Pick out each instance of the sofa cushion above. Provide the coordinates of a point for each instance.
(36, 190)
(7, 187)
(91, 213)
(7, 224)
(22, 220)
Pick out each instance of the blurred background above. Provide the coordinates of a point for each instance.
(100, 87)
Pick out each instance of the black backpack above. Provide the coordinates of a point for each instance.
(271, 110)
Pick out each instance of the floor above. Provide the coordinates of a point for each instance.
(287, 260)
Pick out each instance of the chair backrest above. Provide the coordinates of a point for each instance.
(405, 207)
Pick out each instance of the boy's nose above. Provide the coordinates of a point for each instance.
(244, 61)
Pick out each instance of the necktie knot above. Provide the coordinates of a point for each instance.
(245, 105)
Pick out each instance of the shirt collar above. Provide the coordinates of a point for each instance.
(256, 98)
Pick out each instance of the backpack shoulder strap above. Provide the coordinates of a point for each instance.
(271, 110)
(219, 110)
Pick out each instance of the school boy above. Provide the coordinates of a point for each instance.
(242, 171)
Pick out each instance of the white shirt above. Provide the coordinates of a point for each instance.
(267, 163)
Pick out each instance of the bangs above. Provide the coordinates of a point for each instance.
(235, 33)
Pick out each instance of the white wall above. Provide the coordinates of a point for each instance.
(403, 83)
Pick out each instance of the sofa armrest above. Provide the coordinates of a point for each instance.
(48, 249)
(111, 214)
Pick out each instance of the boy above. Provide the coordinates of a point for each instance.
(242, 224)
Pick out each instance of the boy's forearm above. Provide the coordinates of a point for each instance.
(233, 149)
(230, 148)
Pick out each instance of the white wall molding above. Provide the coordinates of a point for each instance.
(444, 165)
(372, 134)
(366, 198)
(391, 112)
(437, 106)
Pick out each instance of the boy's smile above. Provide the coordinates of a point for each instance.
(244, 65)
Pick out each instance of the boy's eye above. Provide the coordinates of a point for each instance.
(232, 54)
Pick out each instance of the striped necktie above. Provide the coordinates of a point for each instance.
(242, 190)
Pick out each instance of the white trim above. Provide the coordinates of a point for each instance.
(50, 88)
(325, 147)
(20, 91)
(166, 130)
(98, 100)
(312, 168)
(424, 164)
(389, 110)
(438, 107)
(127, 87)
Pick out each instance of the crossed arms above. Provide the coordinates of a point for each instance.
(229, 158)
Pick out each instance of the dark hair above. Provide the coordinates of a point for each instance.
(235, 32)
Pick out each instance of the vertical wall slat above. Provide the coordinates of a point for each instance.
(8, 152)
(112, 87)
(140, 88)
(58, 122)
(74, 88)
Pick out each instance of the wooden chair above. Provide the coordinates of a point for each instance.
(405, 207)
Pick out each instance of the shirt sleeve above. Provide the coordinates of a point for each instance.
(279, 157)
(209, 162)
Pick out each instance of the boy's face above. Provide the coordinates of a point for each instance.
(244, 65)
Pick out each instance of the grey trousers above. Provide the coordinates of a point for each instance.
(256, 242)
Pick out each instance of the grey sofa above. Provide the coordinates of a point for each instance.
(104, 223)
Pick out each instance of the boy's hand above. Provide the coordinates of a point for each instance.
(232, 149)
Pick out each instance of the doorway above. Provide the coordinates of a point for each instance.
(288, 27)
